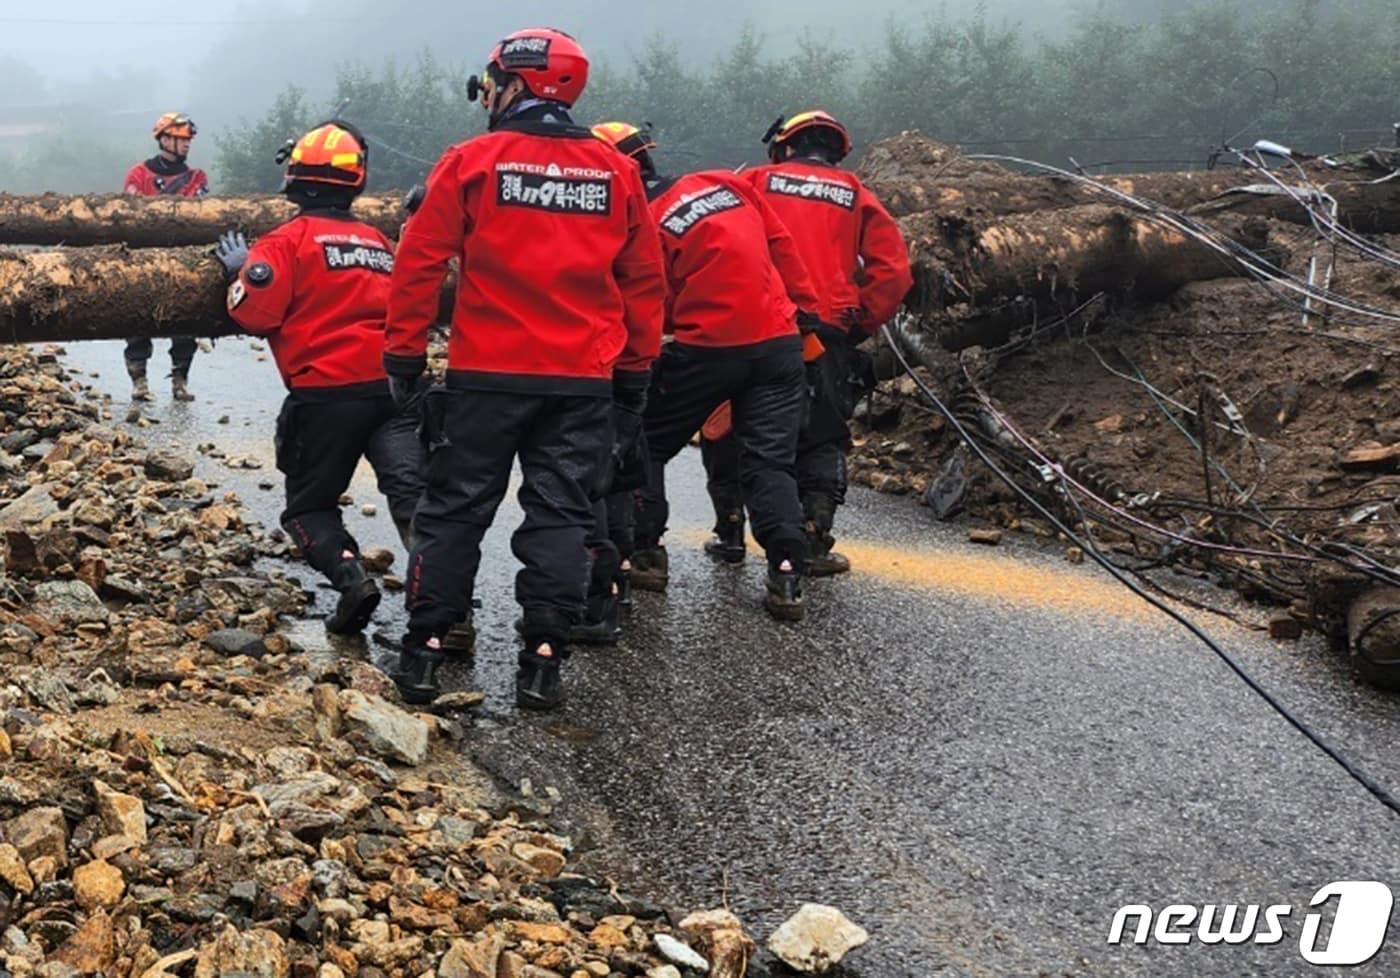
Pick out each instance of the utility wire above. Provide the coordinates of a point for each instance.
(1377, 791)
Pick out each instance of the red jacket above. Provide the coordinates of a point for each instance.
(156, 178)
(561, 278)
(318, 288)
(853, 248)
(734, 272)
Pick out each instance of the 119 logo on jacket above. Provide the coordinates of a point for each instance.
(342, 257)
(813, 189)
(556, 190)
(691, 210)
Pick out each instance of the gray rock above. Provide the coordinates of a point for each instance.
(18, 441)
(816, 938)
(71, 602)
(123, 588)
(457, 831)
(48, 691)
(331, 877)
(385, 729)
(168, 467)
(35, 506)
(303, 789)
(236, 641)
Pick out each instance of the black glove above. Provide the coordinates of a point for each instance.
(629, 401)
(833, 338)
(232, 252)
(807, 322)
(414, 199)
(627, 429)
(407, 385)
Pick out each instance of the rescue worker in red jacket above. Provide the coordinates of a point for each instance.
(736, 284)
(318, 288)
(612, 539)
(557, 317)
(860, 266)
(165, 174)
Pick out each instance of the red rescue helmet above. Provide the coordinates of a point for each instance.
(176, 125)
(780, 134)
(550, 63)
(333, 153)
(626, 138)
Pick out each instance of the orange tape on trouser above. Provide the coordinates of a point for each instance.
(721, 420)
(719, 423)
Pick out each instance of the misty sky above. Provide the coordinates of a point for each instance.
(222, 57)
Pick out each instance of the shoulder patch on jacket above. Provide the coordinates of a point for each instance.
(813, 188)
(691, 209)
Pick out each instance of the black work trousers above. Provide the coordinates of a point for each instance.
(473, 438)
(822, 447)
(321, 437)
(765, 383)
(182, 349)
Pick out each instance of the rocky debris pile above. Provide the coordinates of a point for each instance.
(187, 791)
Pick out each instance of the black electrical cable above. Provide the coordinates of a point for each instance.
(1361, 777)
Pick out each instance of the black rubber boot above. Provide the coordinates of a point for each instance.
(416, 673)
(624, 585)
(728, 542)
(821, 516)
(602, 622)
(538, 684)
(359, 596)
(651, 569)
(784, 600)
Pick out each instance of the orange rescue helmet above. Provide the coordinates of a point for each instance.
(780, 134)
(333, 153)
(626, 138)
(174, 124)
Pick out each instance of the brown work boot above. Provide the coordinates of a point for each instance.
(180, 386)
(828, 564)
(460, 640)
(651, 569)
(140, 390)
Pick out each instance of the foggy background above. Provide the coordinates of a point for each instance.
(82, 81)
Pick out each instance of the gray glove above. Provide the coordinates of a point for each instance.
(232, 252)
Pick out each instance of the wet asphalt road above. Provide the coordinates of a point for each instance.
(978, 754)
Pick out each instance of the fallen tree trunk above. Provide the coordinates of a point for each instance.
(105, 293)
(912, 174)
(1052, 256)
(161, 222)
(110, 293)
(1365, 207)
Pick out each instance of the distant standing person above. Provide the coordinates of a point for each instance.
(165, 174)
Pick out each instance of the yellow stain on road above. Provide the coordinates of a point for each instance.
(995, 575)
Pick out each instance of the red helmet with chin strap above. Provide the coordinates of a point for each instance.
(550, 63)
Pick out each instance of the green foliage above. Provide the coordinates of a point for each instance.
(1109, 90)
